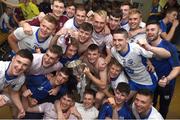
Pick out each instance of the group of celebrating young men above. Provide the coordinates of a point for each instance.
(128, 64)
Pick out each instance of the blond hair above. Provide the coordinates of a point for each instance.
(135, 11)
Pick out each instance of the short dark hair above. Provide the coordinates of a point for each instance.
(145, 92)
(117, 13)
(93, 47)
(56, 50)
(25, 53)
(114, 62)
(91, 92)
(171, 9)
(81, 7)
(123, 87)
(65, 71)
(86, 27)
(149, 22)
(69, 95)
(126, 3)
(121, 31)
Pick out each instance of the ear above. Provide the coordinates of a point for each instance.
(51, 7)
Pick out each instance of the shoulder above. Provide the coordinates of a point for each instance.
(155, 115)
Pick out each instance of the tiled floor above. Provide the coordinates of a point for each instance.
(174, 111)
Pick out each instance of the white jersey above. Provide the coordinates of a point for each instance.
(121, 78)
(102, 40)
(133, 63)
(31, 41)
(87, 114)
(3, 20)
(153, 115)
(37, 68)
(14, 83)
(70, 24)
(138, 37)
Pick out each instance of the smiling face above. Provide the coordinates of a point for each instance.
(142, 103)
(49, 59)
(93, 56)
(19, 65)
(120, 97)
(99, 23)
(125, 10)
(70, 11)
(114, 71)
(58, 8)
(84, 36)
(120, 42)
(61, 78)
(46, 29)
(80, 16)
(65, 103)
(152, 32)
(113, 22)
(134, 21)
(88, 101)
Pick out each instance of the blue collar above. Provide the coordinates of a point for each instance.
(75, 23)
(125, 53)
(37, 37)
(9, 78)
(148, 114)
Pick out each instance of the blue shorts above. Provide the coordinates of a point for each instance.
(135, 86)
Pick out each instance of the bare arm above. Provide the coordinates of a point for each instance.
(101, 83)
(168, 36)
(166, 79)
(16, 100)
(160, 52)
(34, 109)
(108, 57)
(12, 40)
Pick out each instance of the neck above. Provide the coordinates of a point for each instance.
(125, 49)
(145, 114)
(156, 42)
(39, 37)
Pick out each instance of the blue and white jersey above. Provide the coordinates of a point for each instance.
(14, 82)
(31, 41)
(138, 37)
(152, 115)
(107, 111)
(164, 66)
(70, 24)
(134, 62)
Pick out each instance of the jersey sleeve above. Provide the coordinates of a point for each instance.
(142, 51)
(19, 33)
(105, 111)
